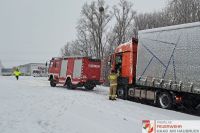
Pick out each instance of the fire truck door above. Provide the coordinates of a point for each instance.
(63, 70)
(77, 68)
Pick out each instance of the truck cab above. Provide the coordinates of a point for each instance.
(164, 67)
(125, 56)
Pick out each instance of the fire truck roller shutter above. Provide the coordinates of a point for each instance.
(63, 68)
(77, 68)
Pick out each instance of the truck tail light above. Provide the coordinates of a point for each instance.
(178, 99)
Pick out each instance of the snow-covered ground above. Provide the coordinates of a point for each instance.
(30, 105)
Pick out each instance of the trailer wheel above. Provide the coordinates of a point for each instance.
(165, 100)
(52, 83)
(122, 92)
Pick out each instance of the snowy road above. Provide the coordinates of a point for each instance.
(31, 106)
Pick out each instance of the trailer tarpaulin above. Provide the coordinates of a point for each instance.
(169, 58)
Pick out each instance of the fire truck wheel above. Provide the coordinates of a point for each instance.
(88, 86)
(165, 100)
(69, 84)
(52, 83)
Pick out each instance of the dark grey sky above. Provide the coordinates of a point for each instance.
(35, 30)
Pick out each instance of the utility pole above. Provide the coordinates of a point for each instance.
(101, 10)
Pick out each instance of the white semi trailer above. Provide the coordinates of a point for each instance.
(163, 66)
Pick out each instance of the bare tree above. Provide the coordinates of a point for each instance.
(71, 49)
(84, 39)
(151, 20)
(97, 38)
(184, 11)
(124, 16)
(175, 12)
(65, 51)
(91, 31)
(95, 17)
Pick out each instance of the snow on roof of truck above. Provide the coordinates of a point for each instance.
(78, 56)
(67, 57)
(75, 56)
(126, 43)
(174, 27)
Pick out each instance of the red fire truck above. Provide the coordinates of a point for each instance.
(75, 72)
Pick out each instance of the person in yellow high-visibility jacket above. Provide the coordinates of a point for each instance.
(113, 85)
(17, 73)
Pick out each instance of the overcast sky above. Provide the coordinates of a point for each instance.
(35, 30)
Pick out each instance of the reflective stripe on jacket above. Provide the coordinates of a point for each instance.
(113, 79)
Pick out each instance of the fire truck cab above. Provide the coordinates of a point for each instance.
(75, 72)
